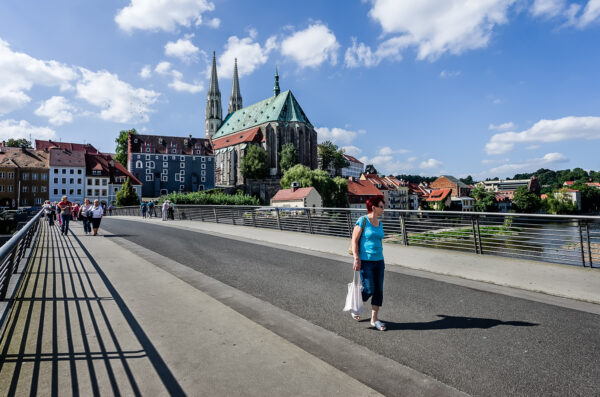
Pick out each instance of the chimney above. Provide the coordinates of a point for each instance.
(295, 186)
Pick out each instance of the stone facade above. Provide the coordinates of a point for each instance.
(459, 189)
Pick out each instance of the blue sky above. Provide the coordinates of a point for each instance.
(487, 88)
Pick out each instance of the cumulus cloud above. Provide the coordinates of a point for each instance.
(312, 46)
(449, 73)
(576, 14)
(529, 165)
(591, 13)
(58, 110)
(162, 15)
(19, 72)
(146, 72)
(545, 131)
(164, 68)
(547, 8)
(183, 49)
(118, 100)
(249, 53)
(502, 127)
(339, 136)
(213, 23)
(386, 151)
(436, 27)
(387, 164)
(352, 150)
(13, 129)
(431, 163)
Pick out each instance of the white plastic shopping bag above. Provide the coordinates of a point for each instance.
(354, 302)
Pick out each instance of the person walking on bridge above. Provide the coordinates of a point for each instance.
(144, 208)
(97, 212)
(367, 248)
(66, 210)
(86, 216)
(165, 208)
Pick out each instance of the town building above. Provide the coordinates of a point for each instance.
(297, 197)
(269, 124)
(464, 203)
(105, 178)
(382, 185)
(458, 188)
(23, 177)
(572, 195)
(502, 185)
(166, 164)
(440, 199)
(417, 195)
(355, 169)
(67, 174)
(359, 191)
(398, 193)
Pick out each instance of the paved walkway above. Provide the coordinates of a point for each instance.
(91, 318)
(553, 280)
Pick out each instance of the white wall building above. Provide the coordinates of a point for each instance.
(67, 175)
(355, 169)
(297, 198)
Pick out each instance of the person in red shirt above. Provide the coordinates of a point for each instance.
(66, 210)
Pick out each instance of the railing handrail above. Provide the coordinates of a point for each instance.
(7, 247)
(505, 214)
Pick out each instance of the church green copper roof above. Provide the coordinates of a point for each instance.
(281, 108)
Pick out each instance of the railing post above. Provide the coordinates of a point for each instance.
(403, 229)
(215, 212)
(581, 242)
(349, 219)
(278, 218)
(232, 216)
(201, 214)
(589, 248)
(310, 229)
(474, 235)
(479, 235)
(253, 217)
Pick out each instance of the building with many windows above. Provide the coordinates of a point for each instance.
(23, 177)
(355, 169)
(165, 164)
(67, 174)
(105, 177)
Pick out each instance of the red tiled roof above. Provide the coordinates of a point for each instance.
(506, 195)
(595, 184)
(159, 144)
(66, 158)
(23, 158)
(72, 147)
(569, 183)
(289, 195)
(352, 159)
(362, 188)
(102, 162)
(250, 135)
(572, 190)
(439, 194)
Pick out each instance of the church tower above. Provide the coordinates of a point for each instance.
(214, 110)
(276, 89)
(235, 101)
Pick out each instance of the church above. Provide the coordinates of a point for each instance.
(270, 124)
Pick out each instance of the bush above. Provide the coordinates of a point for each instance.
(127, 195)
(210, 198)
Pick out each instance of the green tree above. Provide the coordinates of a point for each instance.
(331, 155)
(127, 195)
(525, 201)
(333, 191)
(590, 198)
(340, 193)
(289, 157)
(370, 169)
(18, 143)
(468, 180)
(254, 163)
(559, 204)
(121, 149)
(484, 201)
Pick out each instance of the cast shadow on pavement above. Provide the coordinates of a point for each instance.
(456, 322)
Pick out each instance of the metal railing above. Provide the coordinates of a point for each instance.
(572, 240)
(13, 251)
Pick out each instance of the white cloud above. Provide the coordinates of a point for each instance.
(339, 136)
(119, 101)
(544, 131)
(163, 67)
(19, 72)
(312, 46)
(533, 147)
(437, 27)
(162, 14)
(529, 165)
(214, 23)
(449, 73)
(146, 72)
(387, 151)
(22, 129)
(494, 161)
(431, 163)
(361, 55)
(58, 110)
(547, 8)
(388, 164)
(352, 150)
(591, 13)
(250, 55)
(183, 49)
(502, 127)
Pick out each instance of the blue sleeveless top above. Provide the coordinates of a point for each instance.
(370, 245)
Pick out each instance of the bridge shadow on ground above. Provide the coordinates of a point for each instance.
(69, 332)
(454, 322)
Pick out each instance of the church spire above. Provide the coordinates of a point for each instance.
(235, 101)
(214, 110)
(276, 89)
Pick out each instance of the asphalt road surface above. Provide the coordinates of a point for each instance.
(479, 342)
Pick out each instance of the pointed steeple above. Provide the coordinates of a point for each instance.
(276, 89)
(214, 109)
(235, 101)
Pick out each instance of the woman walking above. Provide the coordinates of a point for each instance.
(367, 248)
(97, 213)
(86, 216)
(48, 210)
(66, 210)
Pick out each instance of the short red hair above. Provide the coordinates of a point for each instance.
(373, 202)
